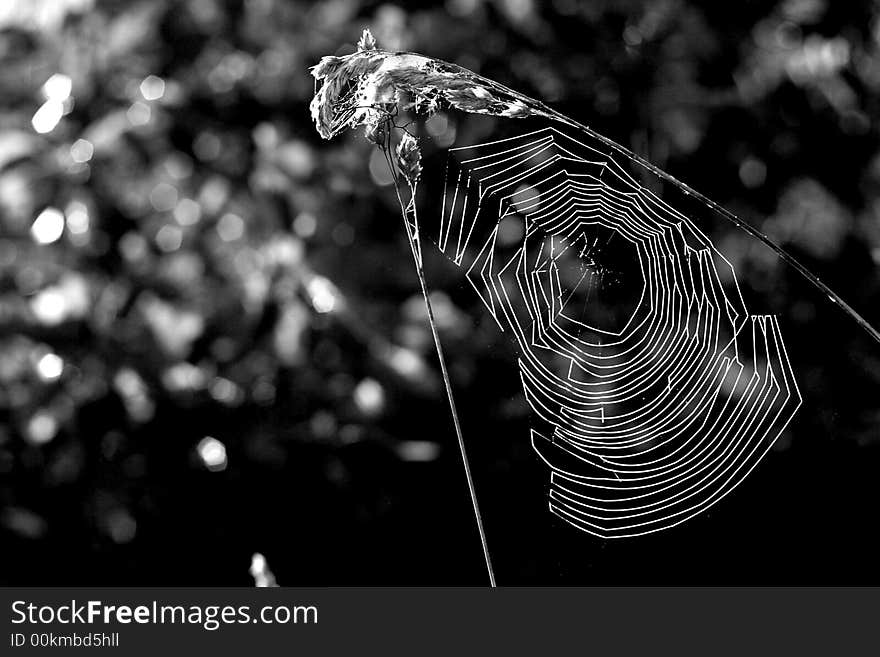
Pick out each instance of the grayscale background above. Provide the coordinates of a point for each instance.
(212, 342)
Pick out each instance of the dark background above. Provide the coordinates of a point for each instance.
(224, 277)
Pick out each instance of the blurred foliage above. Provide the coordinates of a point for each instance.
(209, 339)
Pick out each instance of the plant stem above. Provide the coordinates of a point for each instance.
(408, 210)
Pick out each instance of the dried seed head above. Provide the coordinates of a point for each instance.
(367, 42)
(409, 158)
(353, 89)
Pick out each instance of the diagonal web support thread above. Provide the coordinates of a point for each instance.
(411, 225)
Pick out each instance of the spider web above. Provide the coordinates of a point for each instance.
(654, 391)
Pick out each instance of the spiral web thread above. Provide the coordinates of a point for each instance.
(646, 413)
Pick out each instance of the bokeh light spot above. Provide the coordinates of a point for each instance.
(47, 116)
(152, 87)
(50, 367)
(230, 227)
(58, 87)
(212, 454)
(82, 151)
(169, 238)
(139, 113)
(322, 294)
(42, 427)
(48, 226)
(369, 397)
